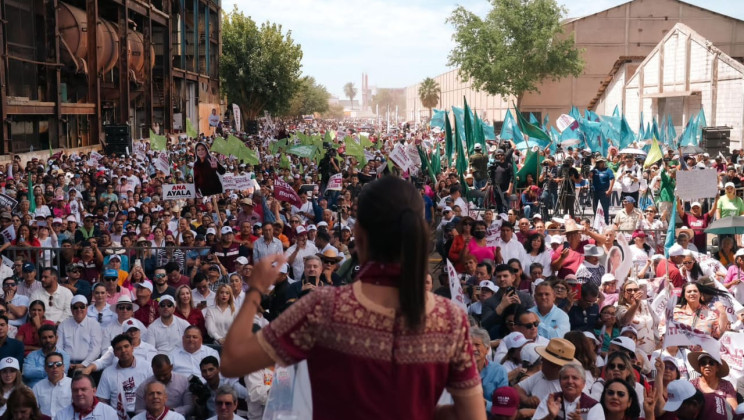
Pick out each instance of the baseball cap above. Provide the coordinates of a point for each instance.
(678, 391)
(54, 221)
(446, 209)
(71, 219)
(166, 297)
(110, 272)
(488, 284)
(226, 229)
(695, 203)
(629, 329)
(300, 230)
(624, 342)
(211, 231)
(79, 299)
(311, 227)
(529, 354)
(505, 401)
(591, 336)
(5, 215)
(9, 362)
(145, 284)
(28, 268)
(729, 184)
(629, 199)
(676, 250)
(322, 224)
(514, 340)
(241, 260)
(129, 325)
(608, 278)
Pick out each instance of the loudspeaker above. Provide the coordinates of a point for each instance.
(251, 127)
(118, 139)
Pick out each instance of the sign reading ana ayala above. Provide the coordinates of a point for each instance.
(178, 191)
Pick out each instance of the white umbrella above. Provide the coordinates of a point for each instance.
(570, 142)
(632, 151)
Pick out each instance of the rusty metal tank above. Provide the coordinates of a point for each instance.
(74, 44)
(73, 27)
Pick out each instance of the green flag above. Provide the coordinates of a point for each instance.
(426, 164)
(530, 129)
(301, 150)
(365, 141)
(532, 162)
(353, 148)
(234, 145)
(220, 146)
(284, 162)
(468, 127)
(31, 198)
(448, 145)
(248, 156)
(462, 163)
(190, 130)
(436, 163)
(157, 142)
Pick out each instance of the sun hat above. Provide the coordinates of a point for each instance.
(559, 351)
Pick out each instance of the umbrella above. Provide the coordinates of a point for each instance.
(692, 150)
(570, 142)
(727, 225)
(632, 151)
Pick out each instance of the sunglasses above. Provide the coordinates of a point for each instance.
(708, 362)
(530, 325)
(616, 366)
(223, 403)
(110, 278)
(631, 290)
(612, 393)
(9, 285)
(54, 364)
(124, 307)
(78, 307)
(159, 276)
(166, 305)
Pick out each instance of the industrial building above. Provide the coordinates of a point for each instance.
(74, 69)
(616, 42)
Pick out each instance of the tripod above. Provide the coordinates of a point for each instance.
(567, 193)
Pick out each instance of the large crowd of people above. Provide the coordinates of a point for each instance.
(119, 301)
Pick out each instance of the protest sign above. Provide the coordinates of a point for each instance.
(178, 191)
(680, 334)
(162, 163)
(401, 158)
(455, 287)
(696, 184)
(140, 150)
(237, 182)
(335, 182)
(284, 192)
(7, 262)
(566, 121)
(732, 352)
(7, 201)
(9, 233)
(236, 117)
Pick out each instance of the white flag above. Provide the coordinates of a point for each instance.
(455, 287)
(599, 224)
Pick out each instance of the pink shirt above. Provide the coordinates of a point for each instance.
(481, 252)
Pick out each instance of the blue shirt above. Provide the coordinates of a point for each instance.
(33, 366)
(428, 204)
(553, 325)
(12, 348)
(493, 376)
(601, 179)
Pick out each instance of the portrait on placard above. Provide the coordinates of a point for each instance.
(207, 171)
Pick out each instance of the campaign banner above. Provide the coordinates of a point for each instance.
(285, 192)
(566, 121)
(335, 182)
(238, 182)
(9, 233)
(732, 352)
(140, 150)
(162, 163)
(680, 334)
(236, 117)
(8, 201)
(178, 191)
(455, 287)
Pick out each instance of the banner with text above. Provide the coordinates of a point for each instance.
(178, 191)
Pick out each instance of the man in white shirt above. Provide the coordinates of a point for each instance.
(296, 253)
(84, 404)
(17, 303)
(80, 336)
(124, 376)
(186, 359)
(555, 355)
(267, 244)
(56, 298)
(155, 408)
(167, 330)
(143, 352)
(53, 393)
(509, 244)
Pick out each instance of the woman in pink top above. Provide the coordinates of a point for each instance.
(478, 248)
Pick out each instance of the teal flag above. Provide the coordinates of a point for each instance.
(436, 162)
(688, 136)
(671, 236)
(468, 127)
(671, 133)
(510, 129)
(533, 120)
(488, 132)
(354, 149)
(462, 162)
(616, 112)
(459, 113)
(437, 118)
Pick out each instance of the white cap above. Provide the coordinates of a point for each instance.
(676, 250)
(241, 260)
(124, 299)
(695, 203)
(9, 362)
(57, 220)
(312, 227)
(739, 253)
(625, 343)
(608, 277)
(629, 328)
(284, 269)
(226, 230)
(488, 284)
(146, 284)
(514, 340)
(322, 224)
(211, 231)
(128, 325)
(300, 230)
(678, 391)
(166, 297)
(529, 354)
(729, 184)
(447, 208)
(556, 239)
(71, 218)
(79, 299)
(592, 337)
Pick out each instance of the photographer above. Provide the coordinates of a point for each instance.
(603, 180)
(629, 174)
(327, 166)
(568, 176)
(501, 175)
(547, 178)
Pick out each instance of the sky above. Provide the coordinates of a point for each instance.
(396, 42)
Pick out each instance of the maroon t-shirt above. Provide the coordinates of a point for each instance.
(698, 225)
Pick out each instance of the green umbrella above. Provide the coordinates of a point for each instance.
(726, 226)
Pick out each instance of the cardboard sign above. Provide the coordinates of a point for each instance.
(335, 182)
(285, 192)
(696, 184)
(679, 334)
(455, 287)
(237, 183)
(8, 201)
(9, 233)
(162, 163)
(401, 158)
(178, 191)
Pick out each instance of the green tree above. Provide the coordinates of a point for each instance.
(350, 91)
(259, 67)
(309, 98)
(429, 93)
(518, 44)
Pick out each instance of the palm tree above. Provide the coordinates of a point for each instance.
(429, 93)
(350, 91)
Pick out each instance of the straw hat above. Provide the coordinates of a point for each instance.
(572, 226)
(694, 358)
(329, 254)
(559, 351)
